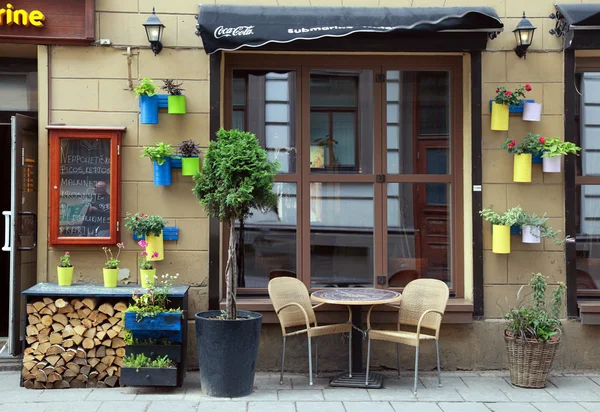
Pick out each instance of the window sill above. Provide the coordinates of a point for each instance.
(457, 311)
(589, 312)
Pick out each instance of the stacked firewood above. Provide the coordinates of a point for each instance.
(75, 344)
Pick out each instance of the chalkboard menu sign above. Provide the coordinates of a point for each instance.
(84, 186)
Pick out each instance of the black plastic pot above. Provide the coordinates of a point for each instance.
(227, 352)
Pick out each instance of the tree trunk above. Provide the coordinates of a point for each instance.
(241, 280)
(231, 273)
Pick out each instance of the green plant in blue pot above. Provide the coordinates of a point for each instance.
(146, 92)
(160, 155)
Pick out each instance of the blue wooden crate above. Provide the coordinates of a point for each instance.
(173, 336)
(512, 108)
(163, 101)
(176, 162)
(169, 233)
(166, 325)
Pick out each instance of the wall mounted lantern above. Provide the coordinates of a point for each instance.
(154, 31)
(524, 35)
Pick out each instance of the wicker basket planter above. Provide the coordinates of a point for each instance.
(529, 362)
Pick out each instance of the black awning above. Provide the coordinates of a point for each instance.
(231, 27)
(579, 24)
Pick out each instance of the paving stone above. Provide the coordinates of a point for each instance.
(483, 395)
(573, 395)
(415, 407)
(528, 395)
(271, 407)
(591, 406)
(393, 394)
(179, 406)
(320, 407)
(439, 395)
(512, 407)
(63, 395)
(20, 395)
(160, 394)
(574, 383)
(23, 407)
(222, 406)
(126, 406)
(272, 382)
(299, 382)
(463, 407)
(267, 395)
(565, 406)
(403, 382)
(452, 382)
(91, 406)
(368, 406)
(486, 383)
(346, 394)
(110, 395)
(198, 396)
(301, 395)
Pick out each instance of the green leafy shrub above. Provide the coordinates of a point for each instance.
(158, 153)
(146, 87)
(512, 217)
(555, 147)
(173, 87)
(142, 361)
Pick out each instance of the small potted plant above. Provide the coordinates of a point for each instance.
(146, 92)
(65, 270)
(160, 155)
(177, 102)
(501, 224)
(111, 266)
(140, 370)
(149, 227)
(523, 152)
(532, 334)
(501, 105)
(190, 162)
(535, 228)
(147, 271)
(532, 111)
(554, 149)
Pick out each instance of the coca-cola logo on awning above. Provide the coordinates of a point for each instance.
(233, 31)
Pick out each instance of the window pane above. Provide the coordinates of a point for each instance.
(589, 139)
(342, 121)
(341, 234)
(270, 240)
(417, 117)
(418, 232)
(588, 236)
(268, 112)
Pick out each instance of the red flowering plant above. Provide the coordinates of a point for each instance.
(513, 98)
(155, 299)
(142, 224)
(532, 143)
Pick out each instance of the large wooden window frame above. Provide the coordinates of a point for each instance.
(379, 65)
(57, 133)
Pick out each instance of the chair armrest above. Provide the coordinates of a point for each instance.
(393, 306)
(369, 317)
(423, 317)
(319, 305)
(348, 306)
(287, 305)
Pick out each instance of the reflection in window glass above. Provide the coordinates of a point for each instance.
(588, 236)
(589, 139)
(418, 233)
(270, 240)
(341, 234)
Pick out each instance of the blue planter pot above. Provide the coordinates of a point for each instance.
(162, 173)
(149, 109)
(515, 230)
(536, 158)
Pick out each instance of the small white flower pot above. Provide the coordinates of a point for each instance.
(532, 112)
(531, 234)
(551, 164)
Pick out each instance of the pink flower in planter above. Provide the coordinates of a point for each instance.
(528, 87)
(144, 253)
(154, 255)
(507, 93)
(143, 243)
(542, 140)
(511, 144)
(67, 253)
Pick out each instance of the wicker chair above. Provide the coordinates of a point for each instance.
(294, 309)
(422, 306)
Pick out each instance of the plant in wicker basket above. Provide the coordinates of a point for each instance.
(532, 335)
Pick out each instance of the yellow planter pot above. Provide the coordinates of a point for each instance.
(501, 239)
(147, 277)
(155, 244)
(65, 276)
(522, 168)
(111, 276)
(499, 116)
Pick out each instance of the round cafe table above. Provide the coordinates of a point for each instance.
(356, 298)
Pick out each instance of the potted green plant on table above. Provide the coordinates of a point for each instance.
(111, 266)
(501, 224)
(150, 228)
(146, 92)
(531, 145)
(190, 160)
(160, 156)
(501, 105)
(177, 101)
(65, 270)
(147, 271)
(236, 178)
(532, 335)
(554, 149)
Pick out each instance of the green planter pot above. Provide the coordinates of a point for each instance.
(190, 166)
(65, 276)
(111, 276)
(177, 105)
(147, 277)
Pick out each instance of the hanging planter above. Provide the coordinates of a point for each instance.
(162, 173)
(190, 162)
(532, 143)
(155, 248)
(500, 239)
(499, 116)
(531, 234)
(522, 168)
(146, 92)
(501, 105)
(177, 101)
(552, 164)
(152, 228)
(532, 112)
(502, 225)
(536, 158)
(554, 150)
(160, 155)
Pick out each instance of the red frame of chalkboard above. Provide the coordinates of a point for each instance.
(114, 134)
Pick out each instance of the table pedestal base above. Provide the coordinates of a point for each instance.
(358, 381)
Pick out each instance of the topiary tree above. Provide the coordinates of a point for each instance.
(236, 177)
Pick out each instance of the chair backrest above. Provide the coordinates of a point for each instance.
(285, 290)
(402, 278)
(419, 296)
(281, 273)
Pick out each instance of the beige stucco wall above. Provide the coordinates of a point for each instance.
(89, 86)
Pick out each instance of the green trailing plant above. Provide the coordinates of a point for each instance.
(145, 87)
(144, 225)
(537, 321)
(532, 143)
(129, 340)
(504, 96)
(65, 260)
(158, 153)
(236, 178)
(511, 217)
(142, 361)
(154, 300)
(173, 87)
(555, 147)
(112, 261)
(546, 230)
(189, 148)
